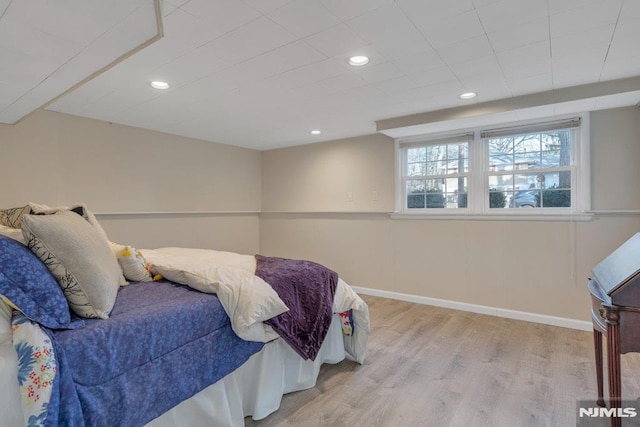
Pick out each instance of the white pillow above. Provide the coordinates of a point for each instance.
(133, 264)
(12, 233)
(78, 257)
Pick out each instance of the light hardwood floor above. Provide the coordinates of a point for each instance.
(430, 366)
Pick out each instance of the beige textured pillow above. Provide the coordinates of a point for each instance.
(80, 209)
(78, 257)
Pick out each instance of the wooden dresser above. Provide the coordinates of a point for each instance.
(615, 312)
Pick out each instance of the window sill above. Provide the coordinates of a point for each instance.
(514, 216)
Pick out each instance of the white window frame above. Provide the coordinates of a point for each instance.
(478, 178)
(466, 137)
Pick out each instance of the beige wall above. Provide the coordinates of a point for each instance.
(536, 267)
(615, 153)
(318, 177)
(58, 159)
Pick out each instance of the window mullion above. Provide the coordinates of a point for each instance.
(478, 175)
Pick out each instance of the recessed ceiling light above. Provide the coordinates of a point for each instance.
(468, 95)
(159, 85)
(358, 61)
(315, 132)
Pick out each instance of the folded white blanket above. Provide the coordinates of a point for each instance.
(247, 299)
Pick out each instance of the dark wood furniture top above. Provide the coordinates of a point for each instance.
(615, 312)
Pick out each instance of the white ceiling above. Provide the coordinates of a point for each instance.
(47, 47)
(263, 73)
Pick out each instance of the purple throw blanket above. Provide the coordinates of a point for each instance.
(307, 289)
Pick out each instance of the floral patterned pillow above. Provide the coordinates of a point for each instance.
(37, 368)
(27, 284)
(133, 264)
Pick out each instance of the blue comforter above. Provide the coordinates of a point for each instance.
(162, 344)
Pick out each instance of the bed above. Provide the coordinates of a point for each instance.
(190, 338)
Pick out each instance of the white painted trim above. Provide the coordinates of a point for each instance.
(176, 213)
(514, 216)
(481, 309)
(615, 212)
(583, 151)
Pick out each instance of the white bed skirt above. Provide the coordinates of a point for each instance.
(256, 387)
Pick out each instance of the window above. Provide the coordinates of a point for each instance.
(436, 173)
(528, 169)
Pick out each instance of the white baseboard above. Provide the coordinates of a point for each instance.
(481, 309)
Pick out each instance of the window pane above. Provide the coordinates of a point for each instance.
(434, 185)
(497, 198)
(526, 143)
(464, 150)
(418, 154)
(524, 199)
(527, 182)
(437, 168)
(560, 143)
(457, 150)
(454, 185)
(435, 200)
(436, 161)
(436, 152)
(453, 151)
(555, 180)
(527, 161)
(435, 193)
(416, 169)
(458, 166)
(549, 190)
(415, 201)
(533, 151)
(501, 182)
(501, 162)
(415, 186)
(564, 179)
(415, 194)
(501, 145)
(556, 198)
(550, 159)
(456, 192)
